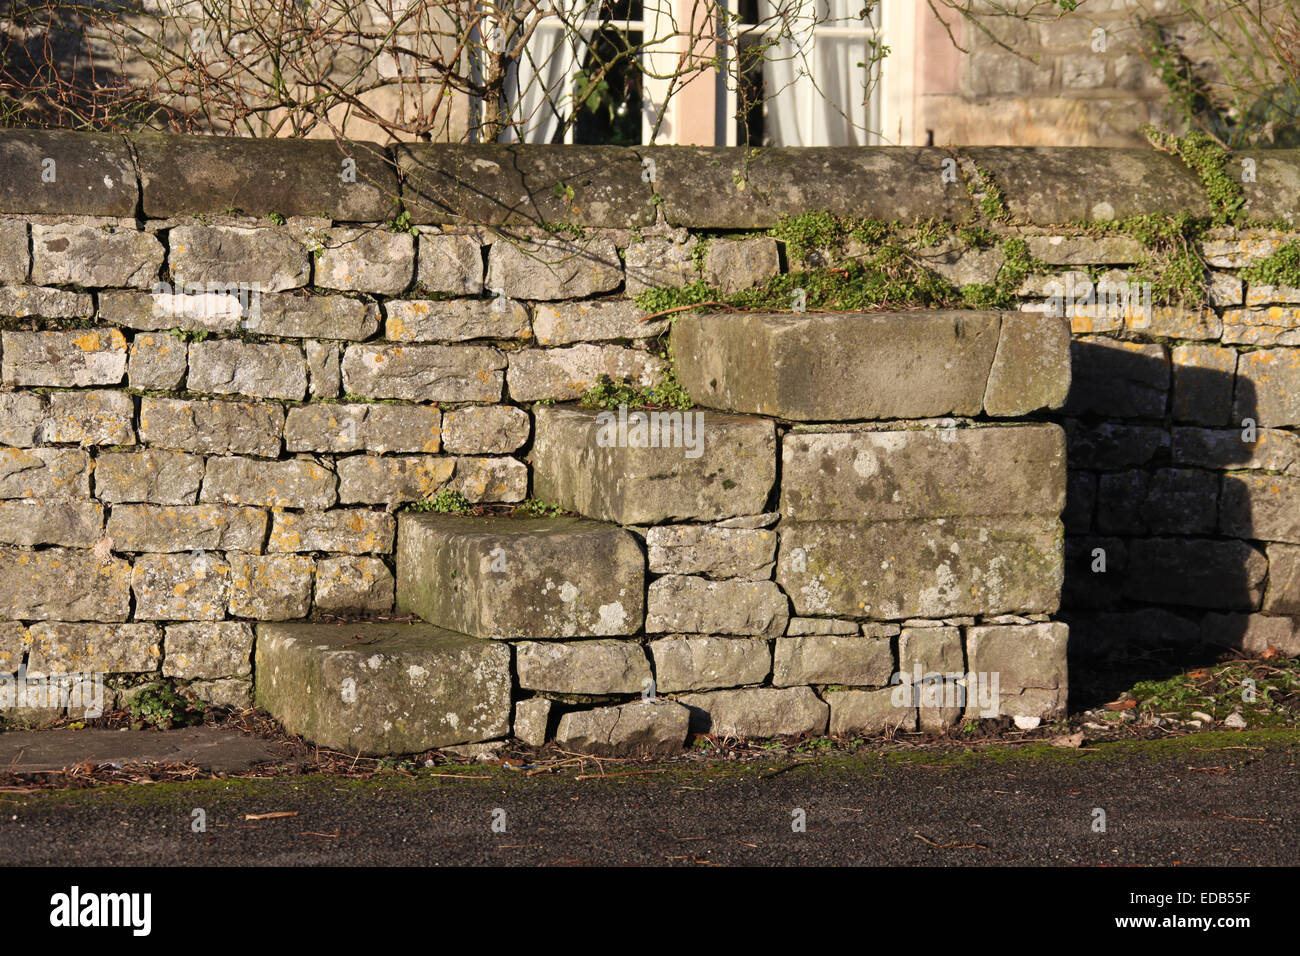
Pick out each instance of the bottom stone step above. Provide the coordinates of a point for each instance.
(383, 688)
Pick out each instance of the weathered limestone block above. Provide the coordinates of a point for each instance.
(170, 528)
(757, 712)
(94, 417)
(211, 650)
(426, 373)
(353, 586)
(582, 667)
(295, 483)
(641, 728)
(269, 258)
(1283, 595)
(831, 659)
(1273, 449)
(313, 316)
(1203, 381)
(679, 604)
(490, 479)
(343, 180)
(77, 357)
(93, 173)
(15, 261)
(934, 650)
(889, 475)
(800, 626)
(1252, 634)
(1029, 661)
(868, 712)
(553, 268)
(230, 367)
(916, 568)
(1109, 445)
(531, 719)
(366, 260)
(1177, 322)
(1268, 387)
(712, 551)
(1261, 507)
(157, 362)
(68, 522)
(21, 416)
(149, 475)
(324, 377)
(520, 578)
(44, 473)
(708, 466)
(383, 688)
(274, 587)
(390, 480)
(706, 663)
(1227, 575)
(363, 427)
(90, 255)
(350, 530)
(519, 184)
(455, 320)
(1031, 368)
(658, 264)
(180, 587)
(21, 301)
(734, 265)
(1167, 501)
(1262, 294)
(1275, 325)
(62, 584)
(1119, 379)
(1083, 251)
(598, 320)
(60, 648)
(234, 693)
(563, 374)
(485, 429)
(210, 308)
(835, 367)
(212, 427)
(449, 264)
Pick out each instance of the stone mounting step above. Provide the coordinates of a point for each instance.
(857, 366)
(638, 467)
(383, 688)
(521, 578)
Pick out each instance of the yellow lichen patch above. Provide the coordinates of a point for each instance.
(88, 342)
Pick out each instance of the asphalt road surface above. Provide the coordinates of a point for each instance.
(1195, 801)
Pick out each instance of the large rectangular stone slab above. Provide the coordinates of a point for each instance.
(583, 460)
(582, 667)
(808, 367)
(520, 578)
(383, 688)
(680, 603)
(889, 475)
(333, 179)
(895, 570)
(93, 174)
(703, 662)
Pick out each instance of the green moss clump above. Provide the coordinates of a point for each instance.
(445, 502)
(1281, 268)
(1208, 160)
(666, 393)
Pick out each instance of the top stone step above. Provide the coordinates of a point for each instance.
(859, 366)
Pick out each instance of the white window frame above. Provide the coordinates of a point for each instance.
(892, 109)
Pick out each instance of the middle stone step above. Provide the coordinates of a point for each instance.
(512, 578)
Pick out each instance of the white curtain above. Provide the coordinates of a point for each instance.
(539, 89)
(815, 91)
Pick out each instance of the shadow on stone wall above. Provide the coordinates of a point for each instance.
(1162, 571)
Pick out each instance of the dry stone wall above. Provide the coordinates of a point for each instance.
(228, 369)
